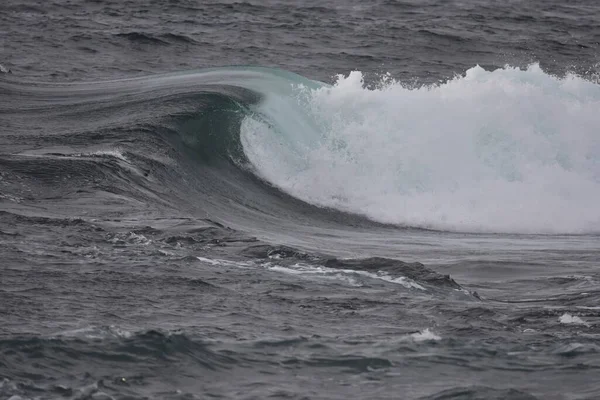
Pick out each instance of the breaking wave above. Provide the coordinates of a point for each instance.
(508, 150)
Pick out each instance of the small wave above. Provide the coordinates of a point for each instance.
(574, 349)
(94, 332)
(142, 38)
(225, 263)
(13, 219)
(425, 335)
(320, 273)
(106, 153)
(442, 35)
(113, 343)
(160, 39)
(179, 38)
(410, 275)
(396, 271)
(353, 363)
(480, 392)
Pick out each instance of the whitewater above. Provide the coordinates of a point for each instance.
(505, 151)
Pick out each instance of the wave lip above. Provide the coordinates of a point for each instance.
(510, 150)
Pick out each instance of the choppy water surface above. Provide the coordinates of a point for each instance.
(276, 200)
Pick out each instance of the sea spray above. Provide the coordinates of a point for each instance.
(507, 150)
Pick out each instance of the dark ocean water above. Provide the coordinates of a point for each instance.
(366, 200)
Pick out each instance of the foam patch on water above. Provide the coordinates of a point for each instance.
(508, 150)
(571, 319)
(319, 273)
(95, 332)
(12, 198)
(226, 263)
(130, 237)
(425, 335)
(115, 153)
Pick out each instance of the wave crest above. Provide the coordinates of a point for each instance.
(508, 150)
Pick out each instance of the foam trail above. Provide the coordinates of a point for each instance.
(342, 274)
(508, 150)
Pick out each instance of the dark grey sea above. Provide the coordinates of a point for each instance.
(300, 200)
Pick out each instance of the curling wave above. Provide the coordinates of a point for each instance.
(508, 150)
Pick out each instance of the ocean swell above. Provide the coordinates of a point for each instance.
(507, 151)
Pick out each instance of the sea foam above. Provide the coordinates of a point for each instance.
(508, 150)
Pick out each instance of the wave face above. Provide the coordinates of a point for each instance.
(509, 150)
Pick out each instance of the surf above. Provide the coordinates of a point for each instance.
(502, 151)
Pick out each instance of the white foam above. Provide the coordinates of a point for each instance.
(116, 153)
(497, 151)
(227, 263)
(346, 275)
(130, 237)
(139, 239)
(425, 335)
(95, 332)
(209, 261)
(120, 332)
(12, 198)
(320, 273)
(571, 319)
